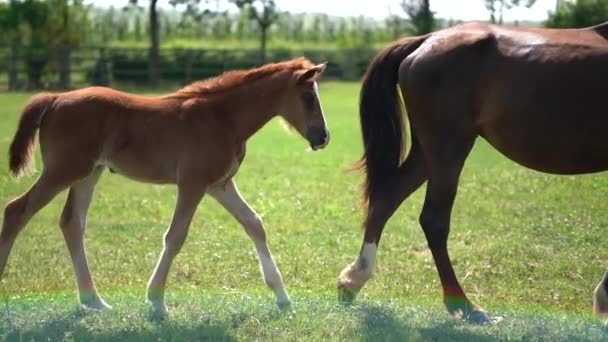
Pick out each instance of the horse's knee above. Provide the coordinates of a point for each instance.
(435, 225)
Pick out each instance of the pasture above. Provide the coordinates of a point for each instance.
(527, 246)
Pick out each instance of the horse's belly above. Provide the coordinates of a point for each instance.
(142, 169)
(551, 149)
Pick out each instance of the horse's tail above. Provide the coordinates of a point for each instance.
(381, 115)
(22, 148)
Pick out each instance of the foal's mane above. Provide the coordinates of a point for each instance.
(233, 79)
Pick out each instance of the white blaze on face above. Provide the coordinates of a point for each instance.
(316, 89)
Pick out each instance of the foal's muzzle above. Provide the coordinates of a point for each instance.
(318, 137)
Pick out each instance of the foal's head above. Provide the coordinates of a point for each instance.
(302, 106)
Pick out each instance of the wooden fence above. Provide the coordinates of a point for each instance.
(65, 68)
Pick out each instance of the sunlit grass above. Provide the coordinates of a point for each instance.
(527, 246)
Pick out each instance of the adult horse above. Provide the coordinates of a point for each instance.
(194, 138)
(537, 95)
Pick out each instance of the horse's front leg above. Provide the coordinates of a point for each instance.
(228, 196)
(188, 198)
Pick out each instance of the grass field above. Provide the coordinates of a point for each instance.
(527, 246)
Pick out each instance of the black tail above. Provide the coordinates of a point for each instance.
(381, 114)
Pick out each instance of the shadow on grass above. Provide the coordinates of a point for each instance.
(380, 323)
(81, 325)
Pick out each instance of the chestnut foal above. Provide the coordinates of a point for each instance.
(194, 138)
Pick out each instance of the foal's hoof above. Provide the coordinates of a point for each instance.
(346, 295)
(284, 305)
(158, 310)
(96, 304)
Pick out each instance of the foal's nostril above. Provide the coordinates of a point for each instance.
(318, 137)
(323, 137)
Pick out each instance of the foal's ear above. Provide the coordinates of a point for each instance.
(310, 74)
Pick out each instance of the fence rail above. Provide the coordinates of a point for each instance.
(64, 68)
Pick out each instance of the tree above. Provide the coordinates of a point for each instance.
(25, 22)
(154, 49)
(581, 13)
(154, 52)
(64, 32)
(395, 26)
(498, 6)
(422, 19)
(264, 13)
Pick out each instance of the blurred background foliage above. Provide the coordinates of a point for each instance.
(66, 43)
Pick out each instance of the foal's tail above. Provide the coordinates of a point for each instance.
(381, 114)
(22, 148)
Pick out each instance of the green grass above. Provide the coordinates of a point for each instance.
(527, 246)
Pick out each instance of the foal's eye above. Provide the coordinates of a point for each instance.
(309, 101)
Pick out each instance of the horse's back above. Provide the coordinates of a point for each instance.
(537, 95)
(98, 124)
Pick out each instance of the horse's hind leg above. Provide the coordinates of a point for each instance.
(20, 210)
(73, 224)
(229, 197)
(600, 297)
(411, 175)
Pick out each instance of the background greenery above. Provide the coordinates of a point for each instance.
(62, 43)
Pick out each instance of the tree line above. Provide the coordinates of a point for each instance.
(35, 25)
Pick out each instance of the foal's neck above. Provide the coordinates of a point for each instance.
(251, 106)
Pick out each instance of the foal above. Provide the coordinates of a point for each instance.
(194, 138)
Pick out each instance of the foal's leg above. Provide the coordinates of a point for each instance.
(229, 196)
(188, 197)
(600, 297)
(73, 224)
(20, 210)
(411, 175)
(445, 166)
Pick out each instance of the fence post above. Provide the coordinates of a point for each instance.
(189, 62)
(13, 67)
(65, 72)
(224, 60)
(102, 77)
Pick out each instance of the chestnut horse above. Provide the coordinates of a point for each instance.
(537, 95)
(194, 138)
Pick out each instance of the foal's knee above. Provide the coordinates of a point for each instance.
(13, 217)
(174, 240)
(255, 228)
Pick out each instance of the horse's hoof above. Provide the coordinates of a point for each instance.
(345, 295)
(481, 317)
